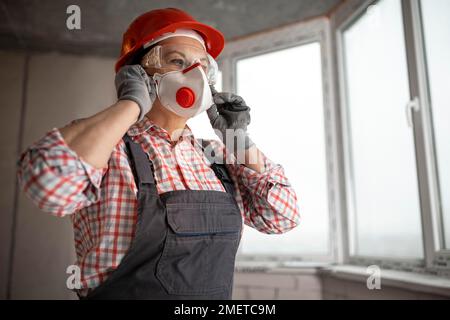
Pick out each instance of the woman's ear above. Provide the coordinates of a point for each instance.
(149, 71)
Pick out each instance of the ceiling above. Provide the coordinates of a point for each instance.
(41, 25)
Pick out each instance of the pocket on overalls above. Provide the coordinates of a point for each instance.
(200, 248)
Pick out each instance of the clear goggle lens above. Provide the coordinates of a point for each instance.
(176, 57)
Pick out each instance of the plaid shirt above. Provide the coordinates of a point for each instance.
(102, 203)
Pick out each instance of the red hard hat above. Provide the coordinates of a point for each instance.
(154, 23)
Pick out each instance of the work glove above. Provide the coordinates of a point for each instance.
(229, 112)
(133, 83)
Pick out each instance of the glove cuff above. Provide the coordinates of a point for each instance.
(248, 142)
(141, 103)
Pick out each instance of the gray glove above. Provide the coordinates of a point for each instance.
(133, 83)
(229, 112)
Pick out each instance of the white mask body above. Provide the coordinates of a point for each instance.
(186, 93)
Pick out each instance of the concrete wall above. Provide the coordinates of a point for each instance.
(39, 92)
(11, 84)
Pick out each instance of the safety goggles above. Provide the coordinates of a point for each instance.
(178, 57)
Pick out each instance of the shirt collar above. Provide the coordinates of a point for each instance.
(147, 125)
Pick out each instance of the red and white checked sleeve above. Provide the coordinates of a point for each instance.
(267, 200)
(55, 178)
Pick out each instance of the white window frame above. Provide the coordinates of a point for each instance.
(316, 30)
(436, 259)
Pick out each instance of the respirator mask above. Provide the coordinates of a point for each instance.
(184, 74)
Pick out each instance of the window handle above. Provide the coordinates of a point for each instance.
(413, 105)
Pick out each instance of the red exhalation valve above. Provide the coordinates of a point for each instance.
(185, 97)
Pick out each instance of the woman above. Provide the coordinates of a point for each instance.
(158, 214)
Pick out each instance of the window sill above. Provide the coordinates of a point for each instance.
(390, 278)
(280, 267)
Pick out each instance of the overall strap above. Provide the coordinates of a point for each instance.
(219, 169)
(141, 165)
(143, 170)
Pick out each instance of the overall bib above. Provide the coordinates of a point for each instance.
(185, 241)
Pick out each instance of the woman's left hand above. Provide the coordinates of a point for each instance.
(230, 116)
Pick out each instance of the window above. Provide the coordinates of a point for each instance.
(284, 90)
(436, 29)
(390, 200)
(384, 205)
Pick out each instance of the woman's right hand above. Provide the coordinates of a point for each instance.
(133, 83)
(94, 138)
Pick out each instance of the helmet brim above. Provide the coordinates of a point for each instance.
(214, 39)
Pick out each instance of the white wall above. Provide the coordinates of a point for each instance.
(283, 285)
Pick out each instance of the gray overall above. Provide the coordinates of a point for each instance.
(185, 241)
